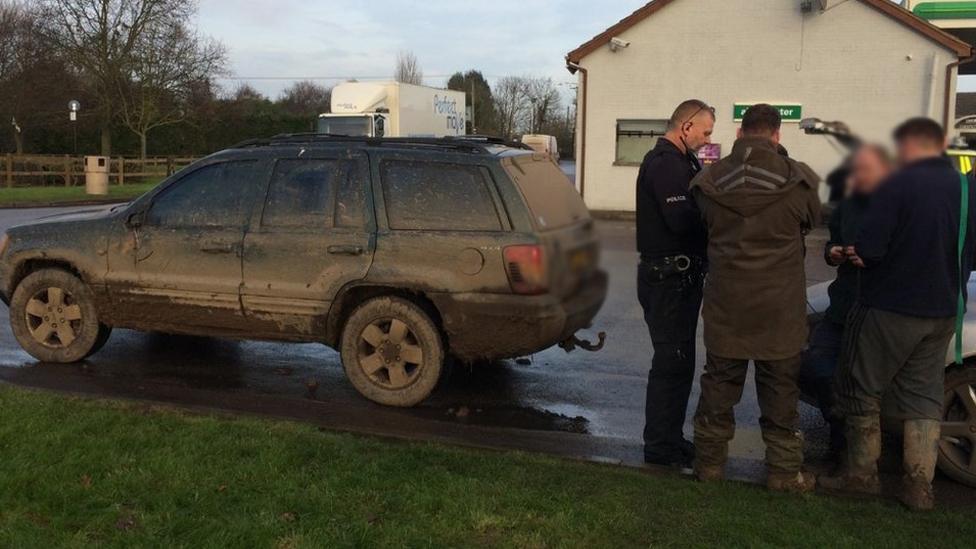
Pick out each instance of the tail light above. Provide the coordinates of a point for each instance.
(527, 272)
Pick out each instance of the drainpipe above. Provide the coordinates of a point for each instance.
(947, 116)
(581, 161)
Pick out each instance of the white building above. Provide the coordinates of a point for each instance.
(957, 17)
(869, 63)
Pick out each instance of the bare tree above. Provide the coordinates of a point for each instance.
(33, 78)
(166, 63)
(408, 69)
(306, 98)
(511, 104)
(13, 18)
(246, 92)
(101, 38)
(544, 103)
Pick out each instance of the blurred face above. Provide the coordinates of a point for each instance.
(868, 171)
(911, 149)
(697, 132)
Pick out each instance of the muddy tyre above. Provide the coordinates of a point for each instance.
(104, 333)
(53, 317)
(392, 351)
(957, 449)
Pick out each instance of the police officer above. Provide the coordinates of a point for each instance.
(671, 241)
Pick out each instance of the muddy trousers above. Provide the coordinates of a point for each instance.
(900, 356)
(721, 389)
(671, 302)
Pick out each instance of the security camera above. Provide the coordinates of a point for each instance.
(617, 44)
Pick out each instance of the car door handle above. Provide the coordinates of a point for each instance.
(218, 247)
(346, 250)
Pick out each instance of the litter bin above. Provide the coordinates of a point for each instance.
(96, 174)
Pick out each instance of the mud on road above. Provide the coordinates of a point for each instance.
(576, 405)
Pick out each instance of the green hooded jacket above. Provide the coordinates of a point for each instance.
(758, 206)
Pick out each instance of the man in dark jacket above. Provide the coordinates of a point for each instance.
(869, 166)
(758, 205)
(898, 334)
(671, 242)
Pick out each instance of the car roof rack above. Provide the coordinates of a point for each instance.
(493, 140)
(468, 143)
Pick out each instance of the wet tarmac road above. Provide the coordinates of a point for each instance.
(574, 405)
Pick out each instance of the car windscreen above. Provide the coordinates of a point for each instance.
(550, 195)
(351, 126)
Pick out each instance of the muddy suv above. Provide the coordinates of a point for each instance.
(398, 253)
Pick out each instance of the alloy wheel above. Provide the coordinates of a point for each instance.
(53, 317)
(390, 354)
(959, 428)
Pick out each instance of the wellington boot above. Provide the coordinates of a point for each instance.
(792, 483)
(859, 470)
(921, 454)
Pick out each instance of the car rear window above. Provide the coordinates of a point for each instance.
(301, 193)
(550, 195)
(437, 197)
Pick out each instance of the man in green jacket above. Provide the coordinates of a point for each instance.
(870, 165)
(757, 205)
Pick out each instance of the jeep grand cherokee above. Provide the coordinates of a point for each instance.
(396, 252)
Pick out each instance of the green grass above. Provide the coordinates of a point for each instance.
(25, 196)
(76, 472)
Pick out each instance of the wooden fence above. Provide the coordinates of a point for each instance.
(42, 170)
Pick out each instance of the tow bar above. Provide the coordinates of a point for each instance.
(575, 342)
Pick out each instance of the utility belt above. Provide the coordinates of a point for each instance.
(674, 264)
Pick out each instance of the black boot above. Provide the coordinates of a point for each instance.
(838, 441)
(826, 399)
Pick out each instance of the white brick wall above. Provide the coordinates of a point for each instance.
(851, 63)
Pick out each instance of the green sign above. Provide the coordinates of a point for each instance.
(790, 113)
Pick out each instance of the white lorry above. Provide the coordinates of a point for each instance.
(392, 109)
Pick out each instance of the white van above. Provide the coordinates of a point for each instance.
(543, 144)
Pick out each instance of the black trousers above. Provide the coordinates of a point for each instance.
(672, 302)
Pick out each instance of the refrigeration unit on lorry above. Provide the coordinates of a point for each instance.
(392, 109)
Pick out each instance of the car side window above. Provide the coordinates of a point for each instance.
(301, 193)
(437, 196)
(350, 210)
(213, 196)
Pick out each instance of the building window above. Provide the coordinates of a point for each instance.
(635, 138)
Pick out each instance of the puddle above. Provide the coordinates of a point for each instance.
(512, 417)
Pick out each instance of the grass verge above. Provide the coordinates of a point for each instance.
(27, 196)
(77, 472)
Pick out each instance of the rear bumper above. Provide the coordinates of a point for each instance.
(490, 326)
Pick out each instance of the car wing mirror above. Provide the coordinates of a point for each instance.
(135, 220)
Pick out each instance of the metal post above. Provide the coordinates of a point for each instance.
(121, 170)
(10, 170)
(67, 171)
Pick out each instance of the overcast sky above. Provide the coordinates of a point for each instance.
(286, 39)
(346, 38)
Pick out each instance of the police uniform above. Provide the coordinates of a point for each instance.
(671, 241)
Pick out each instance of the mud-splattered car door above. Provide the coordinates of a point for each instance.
(181, 271)
(314, 236)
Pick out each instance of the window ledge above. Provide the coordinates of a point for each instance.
(627, 164)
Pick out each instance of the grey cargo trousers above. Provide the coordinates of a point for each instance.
(891, 354)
